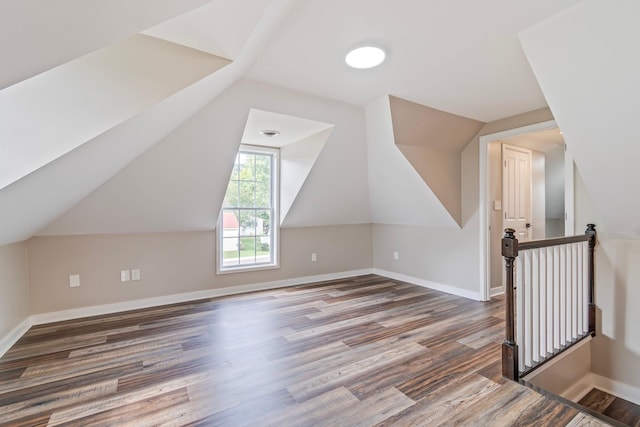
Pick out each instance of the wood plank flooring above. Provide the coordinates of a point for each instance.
(364, 351)
(619, 409)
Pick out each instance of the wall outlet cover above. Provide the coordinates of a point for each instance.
(125, 276)
(74, 280)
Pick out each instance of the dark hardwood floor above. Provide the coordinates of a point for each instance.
(621, 410)
(356, 352)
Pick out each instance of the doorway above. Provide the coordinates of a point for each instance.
(551, 193)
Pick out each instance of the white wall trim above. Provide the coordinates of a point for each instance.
(96, 310)
(483, 211)
(429, 284)
(14, 335)
(591, 380)
(579, 389)
(617, 388)
(496, 291)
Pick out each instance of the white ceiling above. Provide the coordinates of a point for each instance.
(221, 27)
(292, 129)
(460, 56)
(544, 141)
(38, 35)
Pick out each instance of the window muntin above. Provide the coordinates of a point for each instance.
(249, 217)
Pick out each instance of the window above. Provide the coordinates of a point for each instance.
(248, 224)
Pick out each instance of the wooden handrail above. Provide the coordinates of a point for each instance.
(556, 241)
(510, 250)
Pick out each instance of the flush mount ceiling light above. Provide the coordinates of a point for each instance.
(269, 133)
(365, 57)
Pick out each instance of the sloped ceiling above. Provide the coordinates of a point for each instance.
(399, 194)
(460, 57)
(587, 64)
(38, 35)
(36, 199)
(432, 141)
(61, 109)
(204, 30)
(179, 184)
(300, 141)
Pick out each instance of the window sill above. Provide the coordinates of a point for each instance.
(246, 269)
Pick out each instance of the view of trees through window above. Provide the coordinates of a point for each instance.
(248, 211)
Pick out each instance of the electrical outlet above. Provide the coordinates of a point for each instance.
(396, 256)
(135, 274)
(74, 280)
(314, 258)
(125, 275)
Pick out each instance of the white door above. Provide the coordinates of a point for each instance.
(516, 190)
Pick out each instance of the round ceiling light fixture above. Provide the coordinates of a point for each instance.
(365, 57)
(269, 133)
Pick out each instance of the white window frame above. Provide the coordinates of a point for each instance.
(275, 218)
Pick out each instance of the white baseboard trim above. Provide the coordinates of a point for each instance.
(96, 310)
(579, 389)
(429, 284)
(591, 380)
(496, 291)
(14, 335)
(617, 388)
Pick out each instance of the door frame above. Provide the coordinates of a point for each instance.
(484, 204)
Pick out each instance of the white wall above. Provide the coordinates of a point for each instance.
(538, 221)
(616, 347)
(584, 62)
(554, 192)
(14, 288)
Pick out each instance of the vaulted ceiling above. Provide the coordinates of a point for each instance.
(100, 100)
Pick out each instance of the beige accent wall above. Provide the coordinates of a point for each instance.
(432, 141)
(14, 287)
(174, 263)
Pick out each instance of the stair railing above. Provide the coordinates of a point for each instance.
(549, 294)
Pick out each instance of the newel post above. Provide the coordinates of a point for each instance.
(591, 231)
(509, 346)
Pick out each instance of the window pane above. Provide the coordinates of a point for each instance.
(263, 168)
(263, 222)
(247, 194)
(231, 251)
(247, 223)
(248, 252)
(230, 224)
(248, 230)
(263, 195)
(247, 167)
